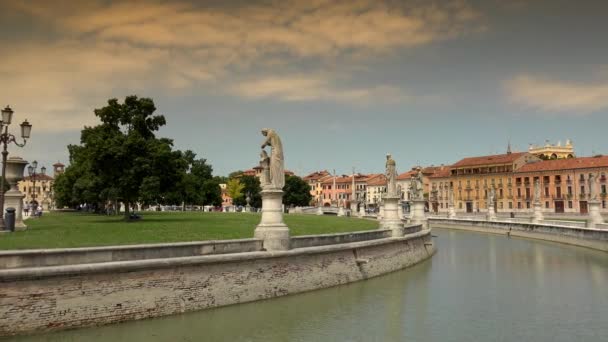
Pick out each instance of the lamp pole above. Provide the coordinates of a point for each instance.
(32, 171)
(5, 139)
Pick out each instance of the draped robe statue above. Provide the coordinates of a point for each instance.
(592, 189)
(276, 167)
(391, 177)
(537, 191)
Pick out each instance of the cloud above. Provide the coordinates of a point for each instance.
(559, 97)
(299, 88)
(88, 51)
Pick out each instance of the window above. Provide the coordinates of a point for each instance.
(518, 205)
(510, 205)
(546, 192)
(569, 204)
(570, 190)
(603, 188)
(582, 189)
(546, 204)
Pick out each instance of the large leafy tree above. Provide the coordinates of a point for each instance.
(121, 159)
(297, 192)
(234, 188)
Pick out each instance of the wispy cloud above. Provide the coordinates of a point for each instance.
(95, 49)
(558, 97)
(317, 88)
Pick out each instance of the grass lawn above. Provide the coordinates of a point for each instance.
(71, 229)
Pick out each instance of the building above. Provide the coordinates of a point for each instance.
(549, 152)
(376, 187)
(564, 184)
(315, 181)
(38, 189)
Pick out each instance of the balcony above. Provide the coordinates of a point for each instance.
(517, 183)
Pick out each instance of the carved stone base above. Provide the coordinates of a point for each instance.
(380, 212)
(491, 214)
(361, 211)
(595, 216)
(14, 199)
(451, 212)
(537, 216)
(341, 211)
(320, 210)
(400, 211)
(272, 229)
(417, 212)
(390, 218)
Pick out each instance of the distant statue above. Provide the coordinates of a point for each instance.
(265, 165)
(391, 177)
(537, 190)
(592, 192)
(451, 196)
(491, 197)
(416, 186)
(277, 174)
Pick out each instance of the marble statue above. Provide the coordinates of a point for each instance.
(537, 190)
(416, 186)
(391, 177)
(592, 190)
(451, 195)
(265, 165)
(491, 197)
(276, 162)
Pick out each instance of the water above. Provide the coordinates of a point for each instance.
(476, 288)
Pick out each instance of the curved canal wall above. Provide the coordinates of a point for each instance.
(580, 236)
(67, 293)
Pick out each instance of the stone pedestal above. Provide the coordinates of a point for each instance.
(341, 211)
(491, 214)
(400, 212)
(595, 216)
(320, 210)
(417, 212)
(451, 212)
(272, 229)
(537, 216)
(361, 211)
(14, 199)
(248, 208)
(390, 216)
(380, 212)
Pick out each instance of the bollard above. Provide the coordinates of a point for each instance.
(9, 219)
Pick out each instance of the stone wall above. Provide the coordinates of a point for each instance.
(48, 298)
(87, 255)
(586, 237)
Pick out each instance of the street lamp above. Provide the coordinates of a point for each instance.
(5, 139)
(32, 171)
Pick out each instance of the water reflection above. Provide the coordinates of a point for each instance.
(477, 288)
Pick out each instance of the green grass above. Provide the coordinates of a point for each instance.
(70, 229)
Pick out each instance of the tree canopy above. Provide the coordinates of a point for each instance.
(121, 159)
(297, 192)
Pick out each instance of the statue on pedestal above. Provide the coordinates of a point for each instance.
(537, 191)
(592, 190)
(416, 186)
(491, 197)
(391, 177)
(276, 161)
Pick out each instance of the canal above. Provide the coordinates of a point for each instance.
(477, 287)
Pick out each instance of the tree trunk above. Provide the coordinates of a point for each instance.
(127, 205)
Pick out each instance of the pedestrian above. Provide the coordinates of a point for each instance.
(26, 210)
(39, 211)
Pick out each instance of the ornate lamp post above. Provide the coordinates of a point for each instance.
(5, 139)
(32, 172)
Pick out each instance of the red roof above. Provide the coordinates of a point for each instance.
(442, 173)
(565, 164)
(378, 180)
(496, 159)
(406, 175)
(39, 177)
(316, 175)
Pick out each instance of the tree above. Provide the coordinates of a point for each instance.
(234, 188)
(297, 192)
(253, 188)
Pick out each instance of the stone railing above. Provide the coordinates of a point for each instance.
(44, 290)
(587, 237)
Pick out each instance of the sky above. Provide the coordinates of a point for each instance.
(342, 82)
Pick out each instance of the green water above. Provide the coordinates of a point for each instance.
(476, 288)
